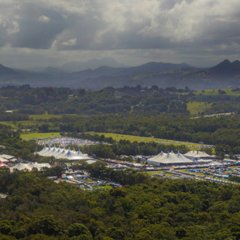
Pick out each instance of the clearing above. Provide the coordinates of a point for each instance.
(196, 108)
(117, 137)
(34, 136)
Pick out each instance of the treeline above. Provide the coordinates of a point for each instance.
(220, 102)
(10, 143)
(37, 208)
(13, 116)
(123, 147)
(28, 100)
(126, 177)
(207, 130)
(221, 131)
(153, 100)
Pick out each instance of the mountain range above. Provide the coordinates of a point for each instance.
(224, 74)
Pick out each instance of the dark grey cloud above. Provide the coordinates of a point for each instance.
(39, 25)
(3, 36)
(121, 24)
(81, 33)
(87, 27)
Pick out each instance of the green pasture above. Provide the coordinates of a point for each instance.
(43, 117)
(152, 173)
(117, 137)
(8, 124)
(196, 108)
(212, 92)
(34, 136)
(103, 188)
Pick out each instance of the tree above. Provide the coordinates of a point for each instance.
(5, 227)
(80, 230)
(45, 225)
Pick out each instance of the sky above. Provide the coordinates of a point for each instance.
(52, 32)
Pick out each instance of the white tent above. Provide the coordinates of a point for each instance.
(61, 153)
(3, 160)
(196, 155)
(7, 158)
(169, 159)
(30, 166)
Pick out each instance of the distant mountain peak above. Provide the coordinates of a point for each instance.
(2, 66)
(6, 70)
(236, 62)
(225, 62)
(227, 67)
(77, 66)
(165, 63)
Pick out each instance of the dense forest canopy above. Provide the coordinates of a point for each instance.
(37, 208)
(151, 100)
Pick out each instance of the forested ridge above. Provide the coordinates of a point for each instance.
(151, 100)
(37, 208)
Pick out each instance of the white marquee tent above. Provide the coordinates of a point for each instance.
(197, 155)
(169, 159)
(30, 166)
(62, 153)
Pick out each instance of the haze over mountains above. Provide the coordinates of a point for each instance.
(224, 74)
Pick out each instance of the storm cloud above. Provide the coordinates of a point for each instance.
(108, 26)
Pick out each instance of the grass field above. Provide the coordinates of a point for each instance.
(131, 138)
(15, 124)
(212, 92)
(34, 120)
(196, 108)
(42, 117)
(6, 123)
(33, 136)
(103, 188)
(152, 173)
